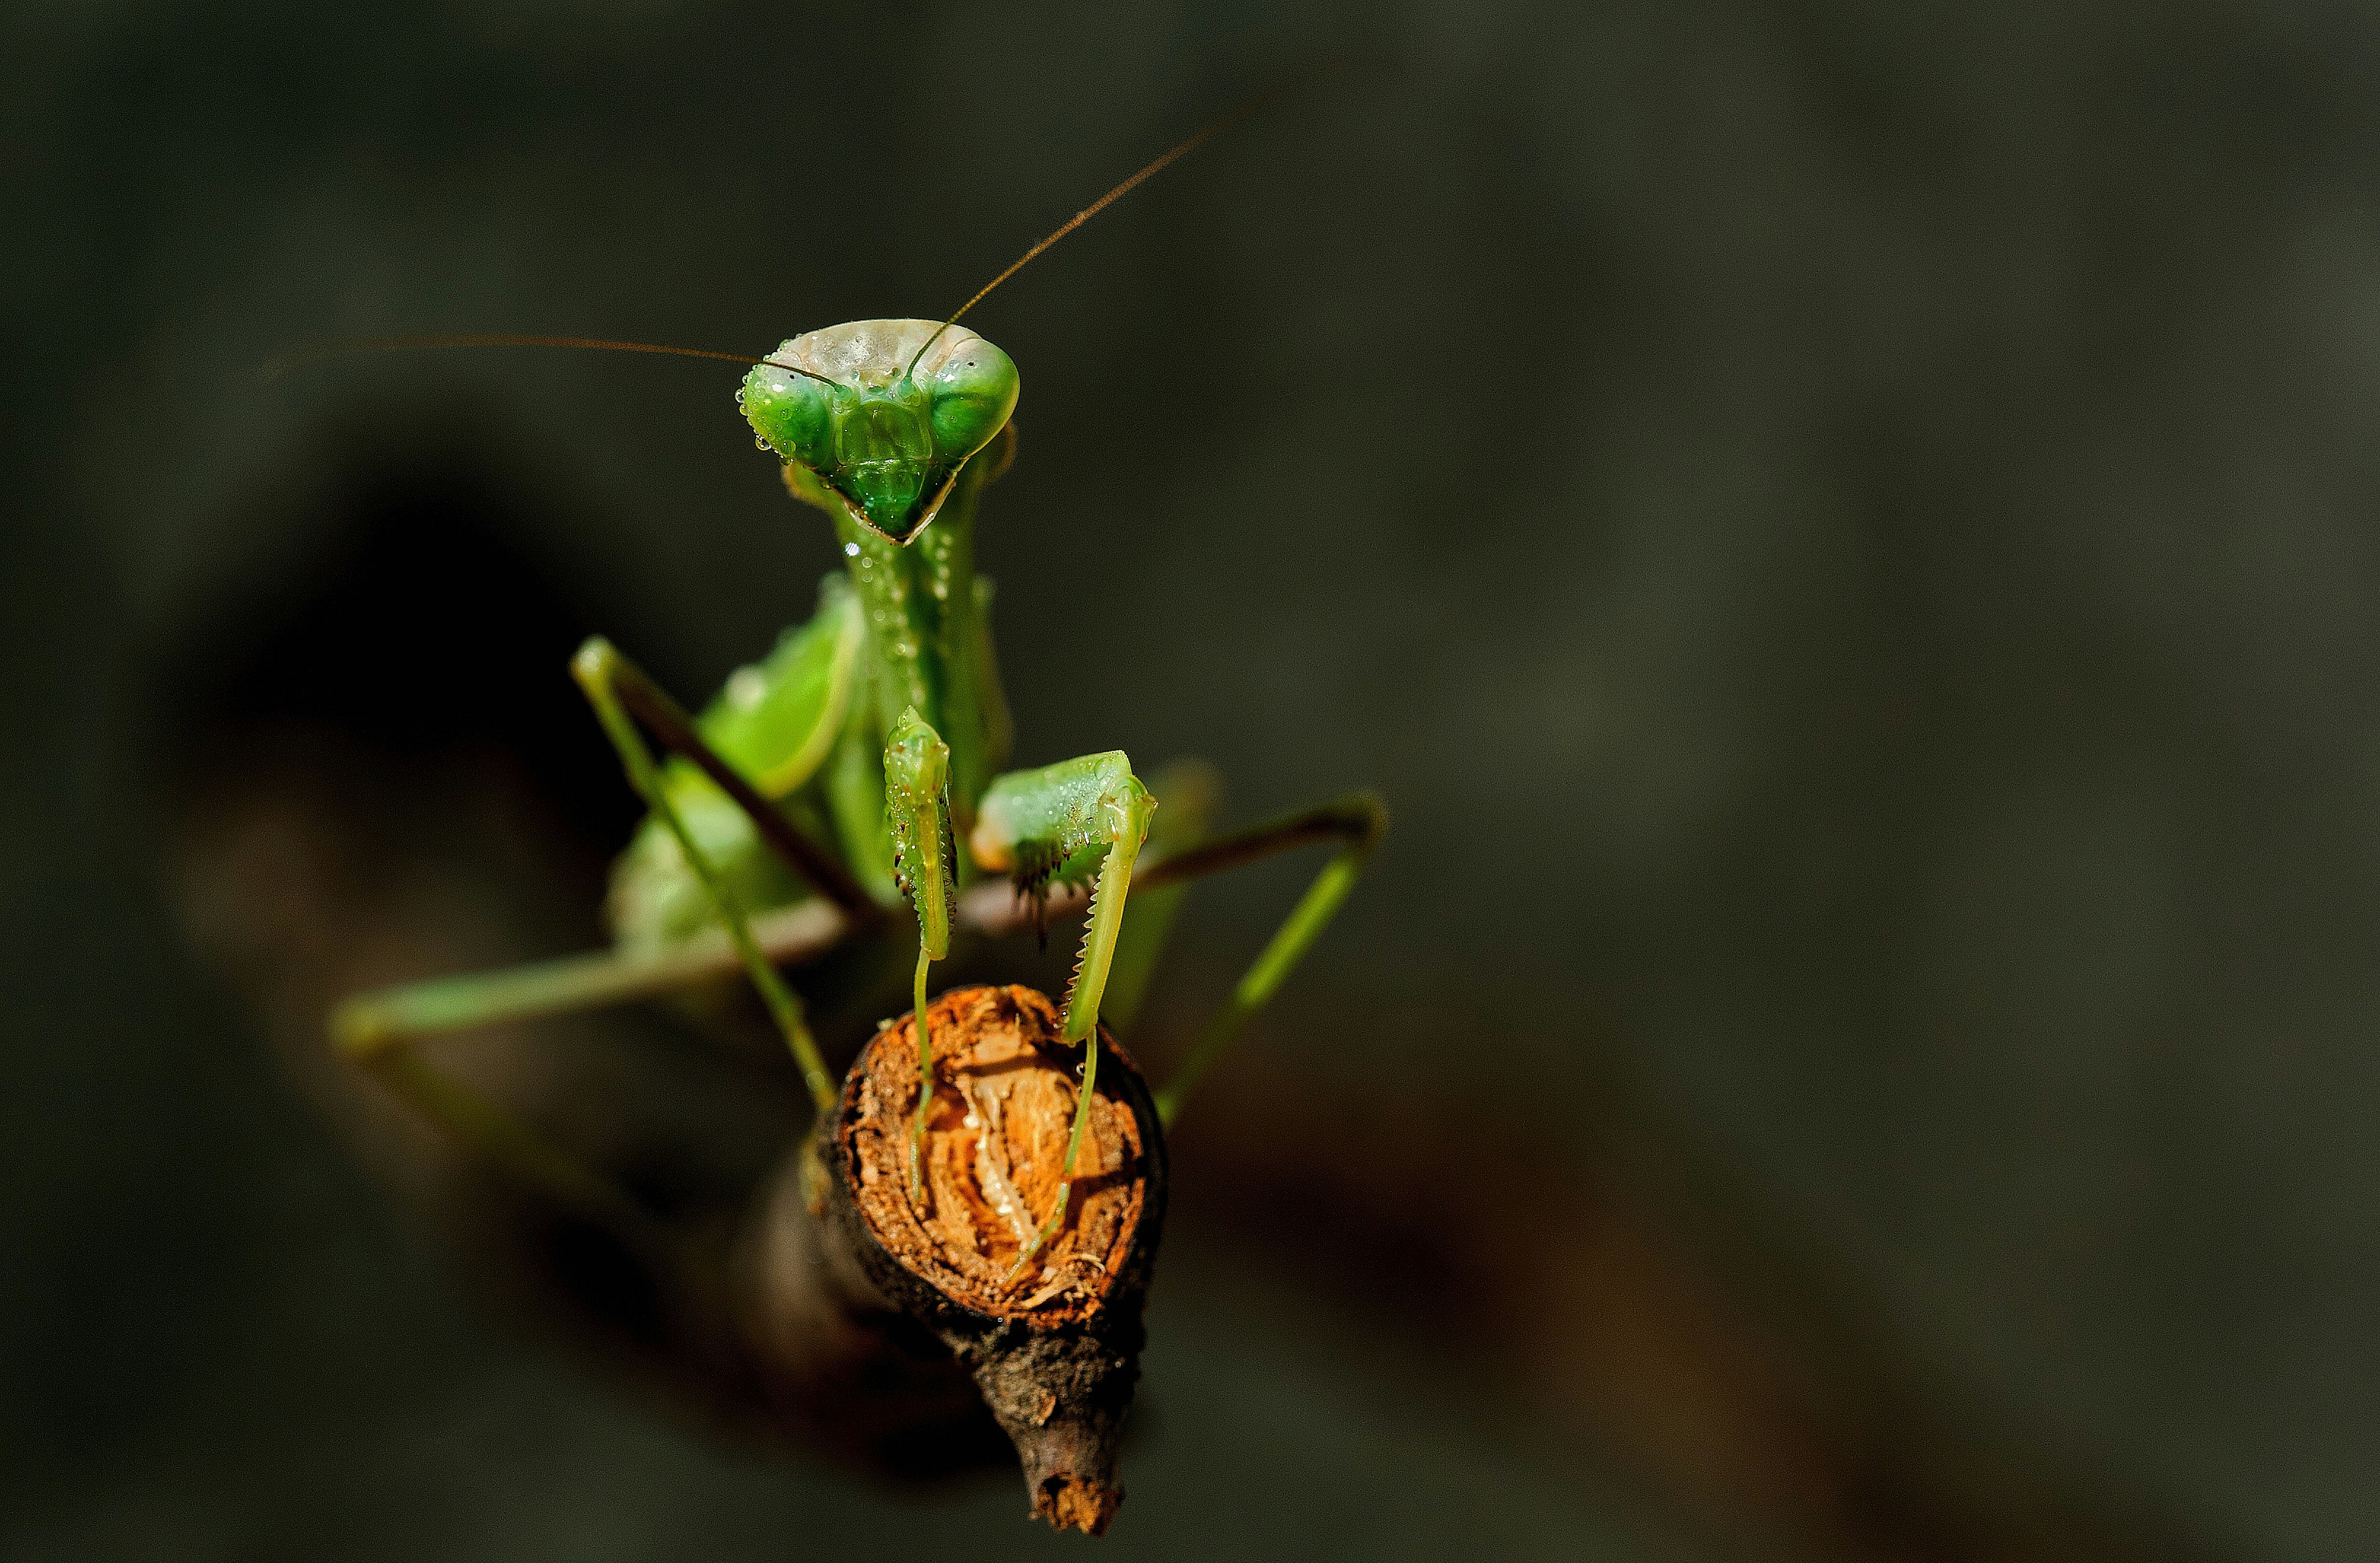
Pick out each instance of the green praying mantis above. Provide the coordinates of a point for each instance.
(857, 770)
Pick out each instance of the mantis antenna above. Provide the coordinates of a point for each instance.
(275, 367)
(1179, 150)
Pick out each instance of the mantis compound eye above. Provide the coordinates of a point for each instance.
(973, 390)
(793, 414)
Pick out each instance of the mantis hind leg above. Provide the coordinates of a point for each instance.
(370, 1021)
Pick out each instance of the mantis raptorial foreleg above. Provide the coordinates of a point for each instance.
(925, 865)
(1068, 821)
(1355, 822)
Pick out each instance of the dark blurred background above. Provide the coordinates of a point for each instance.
(1845, 534)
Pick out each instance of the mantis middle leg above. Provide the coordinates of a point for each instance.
(611, 680)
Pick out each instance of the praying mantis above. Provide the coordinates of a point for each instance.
(855, 773)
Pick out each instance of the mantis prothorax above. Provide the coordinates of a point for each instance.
(838, 776)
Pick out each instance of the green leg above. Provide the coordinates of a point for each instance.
(603, 673)
(1356, 823)
(1049, 1228)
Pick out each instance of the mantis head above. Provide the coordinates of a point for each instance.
(883, 412)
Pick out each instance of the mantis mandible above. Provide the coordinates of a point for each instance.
(859, 767)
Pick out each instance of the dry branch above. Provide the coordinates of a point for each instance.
(1055, 1347)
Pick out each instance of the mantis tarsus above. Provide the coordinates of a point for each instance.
(859, 767)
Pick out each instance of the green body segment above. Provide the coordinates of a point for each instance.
(926, 616)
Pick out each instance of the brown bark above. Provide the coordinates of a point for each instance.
(1054, 1345)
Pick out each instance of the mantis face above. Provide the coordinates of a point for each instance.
(883, 425)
